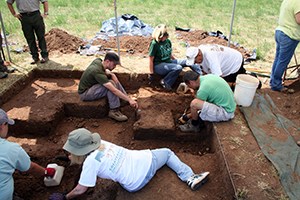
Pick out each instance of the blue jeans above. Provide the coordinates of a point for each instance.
(171, 71)
(285, 47)
(165, 156)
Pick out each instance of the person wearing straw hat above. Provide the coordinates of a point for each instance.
(132, 169)
(214, 100)
(161, 59)
(13, 157)
(97, 81)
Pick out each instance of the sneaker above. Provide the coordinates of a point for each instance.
(35, 61)
(189, 127)
(117, 115)
(3, 75)
(197, 180)
(164, 85)
(44, 60)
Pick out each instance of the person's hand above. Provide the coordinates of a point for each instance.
(133, 104)
(17, 15)
(57, 196)
(49, 172)
(150, 77)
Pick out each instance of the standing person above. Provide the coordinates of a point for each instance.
(13, 157)
(97, 81)
(217, 59)
(214, 100)
(132, 169)
(33, 26)
(4, 64)
(161, 60)
(287, 37)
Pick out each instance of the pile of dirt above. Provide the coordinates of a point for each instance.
(198, 37)
(60, 40)
(139, 44)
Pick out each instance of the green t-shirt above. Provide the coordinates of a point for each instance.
(286, 21)
(94, 74)
(161, 51)
(216, 90)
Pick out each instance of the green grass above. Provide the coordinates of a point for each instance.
(253, 26)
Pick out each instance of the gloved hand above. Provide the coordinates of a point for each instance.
(150, 77)
(57, 196)
(49, 172)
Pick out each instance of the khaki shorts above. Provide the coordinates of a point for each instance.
(213, 113)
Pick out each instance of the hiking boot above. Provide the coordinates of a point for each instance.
(189, 127)
(3, 75)
(44, 60)
(117, 115)
(197, 180)
(164, 85)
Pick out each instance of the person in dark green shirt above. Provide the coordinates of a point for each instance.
(97, 81)
(214, 100)
(161, 60)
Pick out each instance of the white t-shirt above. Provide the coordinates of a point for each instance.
(220, 60)
(127, 167)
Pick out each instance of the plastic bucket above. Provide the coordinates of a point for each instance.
(245, 89)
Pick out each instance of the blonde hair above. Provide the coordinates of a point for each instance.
(159, 32)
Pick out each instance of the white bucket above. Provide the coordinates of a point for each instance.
(245, 89)
(55, 180)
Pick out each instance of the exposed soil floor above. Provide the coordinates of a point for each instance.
(47, 109)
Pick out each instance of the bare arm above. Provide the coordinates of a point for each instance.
(46, 8)
(120, 94)
(151, 64)
(36, 169)
(12, 11)
(78, 190)
(297, 18)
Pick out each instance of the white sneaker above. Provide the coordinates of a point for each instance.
(197, 180)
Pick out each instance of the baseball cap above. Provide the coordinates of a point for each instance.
(4, 118)
(191, 54)
(81, 142)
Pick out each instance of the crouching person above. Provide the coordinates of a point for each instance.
(214, 100)
(132, 169)
(13, 157)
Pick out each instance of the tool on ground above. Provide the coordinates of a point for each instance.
(56, 178)
(137, 114)
(5, 39)
(115, 49)
(184, 117)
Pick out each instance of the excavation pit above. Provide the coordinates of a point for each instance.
(47, 108)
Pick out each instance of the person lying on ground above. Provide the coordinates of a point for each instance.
(214, 100)
(217, 59)
(132, 169)
(13, 157)
(97, 81)
(161, 60)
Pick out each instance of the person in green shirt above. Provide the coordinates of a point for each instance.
(214, 100)
(162, 61)
(97, 81)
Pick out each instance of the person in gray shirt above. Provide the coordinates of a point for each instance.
(33, 26)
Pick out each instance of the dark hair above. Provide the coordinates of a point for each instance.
(190, 76)
(112, 57)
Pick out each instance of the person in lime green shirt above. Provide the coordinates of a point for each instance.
(287, 37)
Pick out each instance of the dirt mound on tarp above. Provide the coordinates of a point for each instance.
(59, 40)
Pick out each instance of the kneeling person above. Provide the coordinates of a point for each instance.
(98, 81)
(214, 100)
